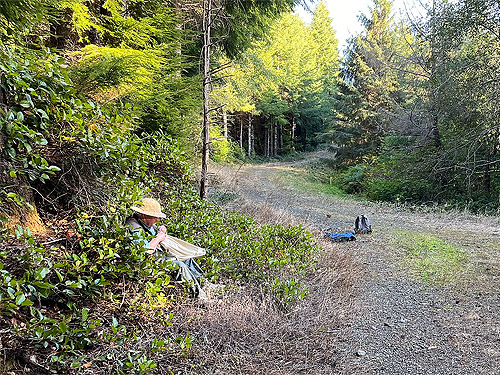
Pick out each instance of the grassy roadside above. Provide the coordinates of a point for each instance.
(308, 181)
(432, 259)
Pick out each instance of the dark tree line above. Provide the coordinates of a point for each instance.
(418, 114)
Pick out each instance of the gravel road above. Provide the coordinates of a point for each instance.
(398, 323)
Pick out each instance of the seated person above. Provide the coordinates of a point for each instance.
(143, 224)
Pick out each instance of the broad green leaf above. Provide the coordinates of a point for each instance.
(20, 299)
(85, 314)
(44, 272)
(63, 327)
(27, 303)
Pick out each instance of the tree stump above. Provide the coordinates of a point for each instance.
(16, 214)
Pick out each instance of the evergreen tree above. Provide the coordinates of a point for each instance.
(457, 45)
(370, 92)
(316, 109)
(290, 79)
(19, 17)
(324, 45)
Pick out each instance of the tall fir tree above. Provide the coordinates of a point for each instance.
(369, 93)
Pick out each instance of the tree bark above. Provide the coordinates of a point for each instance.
(207, 22)
(241, 132)
(275, 138)
(280, 131)
(224, 121)
(265, 142)
(271, 138)
(250, 136)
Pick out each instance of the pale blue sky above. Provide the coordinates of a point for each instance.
(344, 14)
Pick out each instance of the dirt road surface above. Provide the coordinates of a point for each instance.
(397, 323)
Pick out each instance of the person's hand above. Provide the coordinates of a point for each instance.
(161, 235)
(162, 228)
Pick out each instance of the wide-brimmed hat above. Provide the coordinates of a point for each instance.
(150, 207)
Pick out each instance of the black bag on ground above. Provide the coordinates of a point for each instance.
(362, 225)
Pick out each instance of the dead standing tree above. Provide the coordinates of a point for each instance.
(208, 18)
(207, 26)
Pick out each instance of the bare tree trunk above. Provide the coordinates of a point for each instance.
(241, 132)
(487, 176)
(269, 143)
(492, 153)
(224, 121)
(435, 133)
(280, 130)
(249, 148)
(275, 140)
(293, 132)
(270, 139)
(250, 136)
(266, 143)
(207, 22)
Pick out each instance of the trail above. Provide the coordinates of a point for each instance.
(398, 324)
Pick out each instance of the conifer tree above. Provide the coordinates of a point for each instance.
(370, 88)
(324, 45)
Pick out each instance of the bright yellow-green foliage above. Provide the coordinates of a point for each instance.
(287, 79)
(83, 21)
(121, 25)
(135, 52)
(237, 94)
(118, 72)
(323, 44)
(434, 260)
(220, 147)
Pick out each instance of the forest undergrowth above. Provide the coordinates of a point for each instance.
(81, 298)
(244, 331)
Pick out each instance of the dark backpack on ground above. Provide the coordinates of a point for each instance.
(362, 225)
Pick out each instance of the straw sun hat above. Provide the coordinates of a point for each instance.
(150, 207)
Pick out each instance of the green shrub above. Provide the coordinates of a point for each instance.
(288, 291)
(51, 291)
(38, 93)
(384, 189)
(353, 179)
(237, 247)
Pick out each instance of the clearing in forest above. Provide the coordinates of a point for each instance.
(418, 296)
